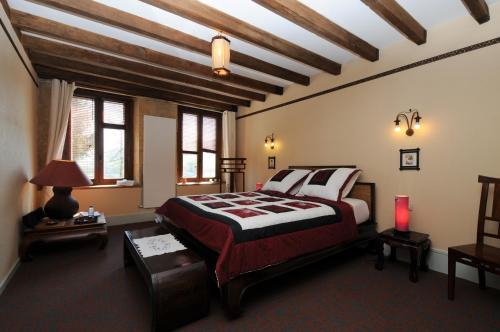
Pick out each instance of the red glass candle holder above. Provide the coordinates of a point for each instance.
(402, 215)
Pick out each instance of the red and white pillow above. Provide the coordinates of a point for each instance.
(286, 180)
(332, 184)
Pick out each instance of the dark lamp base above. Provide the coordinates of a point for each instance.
(62, 205)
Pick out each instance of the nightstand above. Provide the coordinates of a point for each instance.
(419, 245)
(63, 230)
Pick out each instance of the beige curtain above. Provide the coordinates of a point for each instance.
(228, 139)
(61, 93)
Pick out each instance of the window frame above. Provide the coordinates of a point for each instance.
(99, 99)
(200, 113)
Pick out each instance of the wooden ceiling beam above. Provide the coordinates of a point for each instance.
(96, 87)
(95, 58)
(40, 25)
(478, 9)
(399, 18)
(107, 89)
(203, 14)
(318, 24)
(6, 7)
(67, 64)
(115, 17)
(129, 88)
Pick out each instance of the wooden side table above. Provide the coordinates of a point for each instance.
(64, 230)
(419, 245)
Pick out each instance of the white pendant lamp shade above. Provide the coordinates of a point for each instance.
(220, 56)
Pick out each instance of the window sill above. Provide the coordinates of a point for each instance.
(105, 186)
(197, 183)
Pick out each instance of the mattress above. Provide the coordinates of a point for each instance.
(360, 209)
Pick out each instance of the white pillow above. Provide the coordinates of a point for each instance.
(285, 180)
(332, 184)
(350, 184)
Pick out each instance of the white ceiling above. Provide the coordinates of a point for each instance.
(350, 14)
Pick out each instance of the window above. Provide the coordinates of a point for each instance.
(199, 144)
(99, 136)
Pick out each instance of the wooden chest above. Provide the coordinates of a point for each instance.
(177, 281)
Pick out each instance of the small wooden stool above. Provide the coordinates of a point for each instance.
(418, 243)
(177, 281)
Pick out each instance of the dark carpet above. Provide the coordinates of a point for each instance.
(78, 288)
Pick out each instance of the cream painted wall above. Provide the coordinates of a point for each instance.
(152, 107)
(457, 98)
(116, 201)
(112, 201)
(197, 189)
(121, 201)
(126, 201)
(18, 95)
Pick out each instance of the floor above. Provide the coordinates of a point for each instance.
(78, 288)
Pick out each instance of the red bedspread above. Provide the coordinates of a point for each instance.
(238, 255)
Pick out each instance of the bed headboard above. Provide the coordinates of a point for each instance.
(361, 190)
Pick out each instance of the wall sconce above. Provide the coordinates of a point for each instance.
(410, 116)
(269, 141)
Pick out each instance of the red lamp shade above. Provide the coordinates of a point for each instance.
(61, 173)
(401, 214)
(258, 186)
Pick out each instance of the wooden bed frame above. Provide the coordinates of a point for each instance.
(232, 292)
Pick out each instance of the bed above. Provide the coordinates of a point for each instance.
(249, 237)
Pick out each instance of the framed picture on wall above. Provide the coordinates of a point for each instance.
(409, 159)
(271, 162)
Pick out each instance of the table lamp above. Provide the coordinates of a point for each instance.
(402, 215)
(63, 175)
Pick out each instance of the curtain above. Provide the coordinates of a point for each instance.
(61, 94)
(228, 139)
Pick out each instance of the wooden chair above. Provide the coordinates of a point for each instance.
(479, 255)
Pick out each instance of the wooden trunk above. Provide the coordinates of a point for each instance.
(177, 282)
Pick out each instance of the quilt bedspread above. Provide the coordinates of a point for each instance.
(253, 230)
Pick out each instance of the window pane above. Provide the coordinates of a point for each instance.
(209, 133)
(114, 113)
(208, 165)
(189, 132)
(114, 153)
(189, 165)
(83, 134)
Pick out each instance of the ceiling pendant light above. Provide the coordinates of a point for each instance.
(220, 56)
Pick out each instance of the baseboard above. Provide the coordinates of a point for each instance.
(10, 274)
(110, 220)
(130, 218)
(438, 261)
